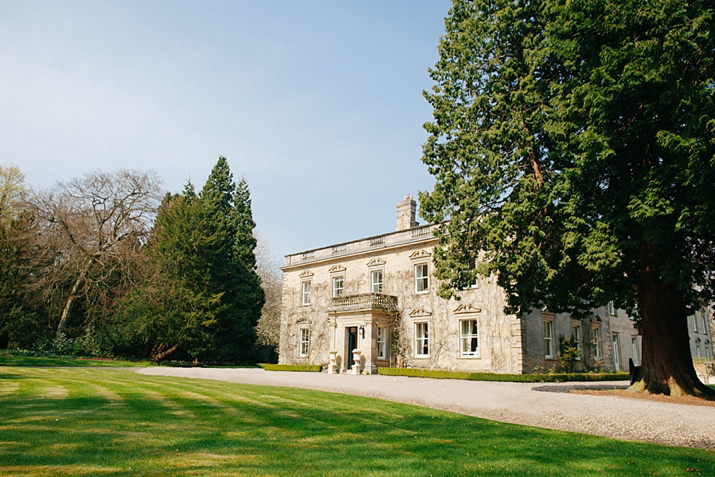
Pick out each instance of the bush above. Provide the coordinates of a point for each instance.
(312, 368)
(515, 378)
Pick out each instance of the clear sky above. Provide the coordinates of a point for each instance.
(317, 103)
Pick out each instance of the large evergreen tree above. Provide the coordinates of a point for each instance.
(574, 142)
(206, 297)
(234, 274)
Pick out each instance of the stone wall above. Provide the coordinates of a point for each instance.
(498, 332)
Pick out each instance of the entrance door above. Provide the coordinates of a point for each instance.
(352, 344)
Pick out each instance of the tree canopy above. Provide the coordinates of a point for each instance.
(574, 143)
(203, 248)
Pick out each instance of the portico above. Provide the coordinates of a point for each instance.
(361, 322)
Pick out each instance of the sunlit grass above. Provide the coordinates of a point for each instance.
(68, 361)
(62, 422)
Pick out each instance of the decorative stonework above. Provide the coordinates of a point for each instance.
(376, 262)
(337, 269)
(420, 313)
(466, 308)
(306, 274)
(420, 254)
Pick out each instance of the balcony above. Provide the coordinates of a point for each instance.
(363, 302)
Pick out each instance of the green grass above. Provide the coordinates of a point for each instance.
(110, 422)
(68, 361)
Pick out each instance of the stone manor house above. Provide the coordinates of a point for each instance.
(369, 303)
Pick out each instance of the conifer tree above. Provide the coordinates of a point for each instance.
(574, 142)
(234, 273)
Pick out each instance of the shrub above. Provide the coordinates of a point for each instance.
(569, 353)
(523, 378)
(312, 368)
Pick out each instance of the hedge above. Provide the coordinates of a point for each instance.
(311, 368)
(518, 378)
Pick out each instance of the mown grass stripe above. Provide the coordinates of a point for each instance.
(236, 429)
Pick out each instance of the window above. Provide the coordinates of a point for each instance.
(695, 323)
(471, 266)
(697, 348)
(707, 349)
(376, 280)
(306, 293)
(611, 308)
(338, 286)
(616, 352)
(576, 337)
(705, 323)
(596, 341)
(381, 342)
(421, 278)
(469, 339)
(304, 340)
(548, 339)
(634, 350)
(421, 340)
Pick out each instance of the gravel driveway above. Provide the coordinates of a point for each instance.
(534, 404)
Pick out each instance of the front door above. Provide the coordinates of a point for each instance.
(352, 344)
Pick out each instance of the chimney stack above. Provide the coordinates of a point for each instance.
(406, 213)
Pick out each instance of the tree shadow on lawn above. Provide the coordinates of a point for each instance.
(174, 427)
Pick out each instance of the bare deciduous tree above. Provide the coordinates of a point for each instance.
(95, 226)
(268, 329)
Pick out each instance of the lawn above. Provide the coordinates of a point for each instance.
(69, 361)
(112, 422)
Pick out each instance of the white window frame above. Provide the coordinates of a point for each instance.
(596, 341)
(377, 286)
(421, 339)
(616, 343)
(421, 278)
(634, 350)
(611, 308)
(305, 286)
(577, 336)
(695, 323)
(549, 339)
(381, 342)
(338, 285)
(304, 344)
(466, 337)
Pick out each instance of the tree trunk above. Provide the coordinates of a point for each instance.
(667, 364)
(70, 299)
(161, 354)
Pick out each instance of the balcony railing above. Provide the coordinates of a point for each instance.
(364, 301)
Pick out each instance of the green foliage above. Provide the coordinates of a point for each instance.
(533, 147)
(313, 368)
(513, 378)
(568, 353)
(203, 297)
(574, 143)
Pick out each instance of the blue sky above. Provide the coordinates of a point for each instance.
(317, 103)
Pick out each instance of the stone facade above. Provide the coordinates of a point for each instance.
(378, 295)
